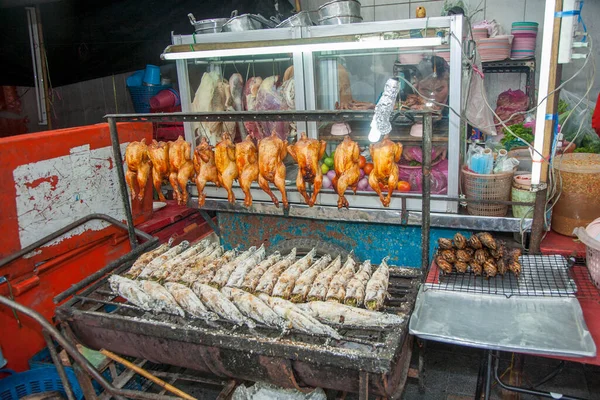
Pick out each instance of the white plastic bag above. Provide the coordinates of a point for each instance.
(265, 391)
(476, 111)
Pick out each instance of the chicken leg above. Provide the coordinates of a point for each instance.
(307, 153)
(182, 168)
(158, 152)
(138, 168)
(385, 156)
(227, 170)
(271, 152)
(205, 168)
(246, 159)
(347, 172)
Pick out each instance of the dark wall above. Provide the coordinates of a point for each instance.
(90, 39)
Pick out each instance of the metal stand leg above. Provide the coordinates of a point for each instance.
(421, 347)
(480, 379)
(363, 385)
(210, 221)
(116, 148)
(59, 367)
(488, 375)
(426, 170)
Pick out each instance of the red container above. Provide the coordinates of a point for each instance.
(164, 99)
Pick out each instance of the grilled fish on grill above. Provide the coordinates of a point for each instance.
(253, 277)
(319, 288)
(187, 299)
(143, 260)
(299, 319)
(217, 302)
(342, 314)
(237, 276)
(377, 287)
(222, 274)
(173, 265)
(253, 307)
(305, 281)
(162, 301)
(207, 273)
(285, 284)
(131, 291)
(159, 261)
(337, 287)
(269, 279)
(355, 290)
(194, 265)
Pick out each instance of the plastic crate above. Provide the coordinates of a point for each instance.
(38, 380)
(141, 95)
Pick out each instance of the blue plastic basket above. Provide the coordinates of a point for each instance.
(141, 95)
(38, 380)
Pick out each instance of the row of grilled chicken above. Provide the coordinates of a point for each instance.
(248, 162)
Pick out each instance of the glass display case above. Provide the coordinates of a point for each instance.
(343, 67)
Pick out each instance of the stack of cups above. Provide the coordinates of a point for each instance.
(525, 35)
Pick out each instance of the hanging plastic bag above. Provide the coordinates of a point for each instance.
(477, 112)
(575, 118)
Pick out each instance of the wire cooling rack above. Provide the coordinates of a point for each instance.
(541, 275)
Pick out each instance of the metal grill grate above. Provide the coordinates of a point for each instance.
(541, 275)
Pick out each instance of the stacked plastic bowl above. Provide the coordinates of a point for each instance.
(496, 48)
(525, 35)
(480, 33)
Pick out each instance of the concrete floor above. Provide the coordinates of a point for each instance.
(451, 374)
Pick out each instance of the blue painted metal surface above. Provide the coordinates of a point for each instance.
(369, 241)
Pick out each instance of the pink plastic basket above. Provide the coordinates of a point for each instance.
(592, 257)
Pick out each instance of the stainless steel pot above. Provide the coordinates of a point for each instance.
(340, 20)
(339, 8)
(246, 22)
(207, 25)
(300, 19)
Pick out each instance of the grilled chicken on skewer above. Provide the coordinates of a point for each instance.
(181, 168)
(271, 152)
(386, 155)
(246, 159)
(205, 168)
(347, 172)
(138, 168)
(158, 152)
(307, 153)
(227, 170)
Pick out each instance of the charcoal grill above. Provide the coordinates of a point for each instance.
(373, 360)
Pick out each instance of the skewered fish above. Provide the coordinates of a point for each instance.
(337, 288)
(460, 242)
(515, 267)
(162, 301)
(159, 261)
(253, 277)
(480, 256)
(377, 287)
(237, 276)
(474, 242)
(463, 255)
(299, 319)
(173, 265)
(355, 290)
(445, 244)
(342, 314)
(285, 284)
(253, 307)
(222, 274)
(443, 264)
(131, 291)
(319, 288)
(305, 281)
(187, 299)
(143, 260)
(195, 264)
(487, 240)
(476, 267)
(269, 279)
(217, 302)
(207, 273)
(449, 255)
(490, 269)
(461, 267)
